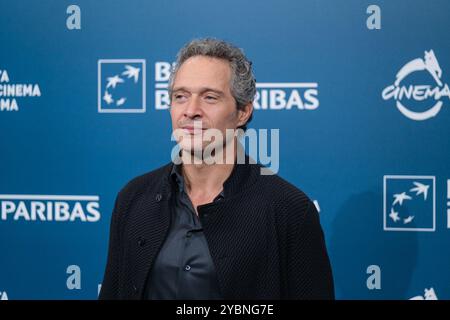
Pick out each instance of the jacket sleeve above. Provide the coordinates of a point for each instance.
(110, 284)
(308, 265)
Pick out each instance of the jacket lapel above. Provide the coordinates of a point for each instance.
(150, 224)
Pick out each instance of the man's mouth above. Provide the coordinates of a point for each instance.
(193, 130)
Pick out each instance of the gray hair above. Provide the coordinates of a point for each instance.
(243, 83)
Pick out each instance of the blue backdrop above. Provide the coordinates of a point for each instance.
(358, 92)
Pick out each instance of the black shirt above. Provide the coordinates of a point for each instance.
(184, 268)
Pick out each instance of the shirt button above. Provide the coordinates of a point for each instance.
(141, 241)
(187, 268)
(158, 197)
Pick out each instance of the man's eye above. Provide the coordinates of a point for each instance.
(179, 96)
(211, 98)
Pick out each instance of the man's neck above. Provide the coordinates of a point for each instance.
(206, 178)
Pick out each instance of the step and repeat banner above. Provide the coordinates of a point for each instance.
(357, 89)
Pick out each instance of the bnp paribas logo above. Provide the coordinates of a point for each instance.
(121, 85)
(418, 90)
(269, 95)
(409, 203)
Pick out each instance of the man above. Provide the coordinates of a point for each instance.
(221, 230)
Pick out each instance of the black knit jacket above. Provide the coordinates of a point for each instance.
(265, 237)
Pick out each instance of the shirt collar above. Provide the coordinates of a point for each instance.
(176, 176)
(242, 177)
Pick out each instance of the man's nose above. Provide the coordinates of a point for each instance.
(193, 107)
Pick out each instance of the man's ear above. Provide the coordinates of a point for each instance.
(244, 114)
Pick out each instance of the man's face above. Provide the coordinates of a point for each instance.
(202, 95)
